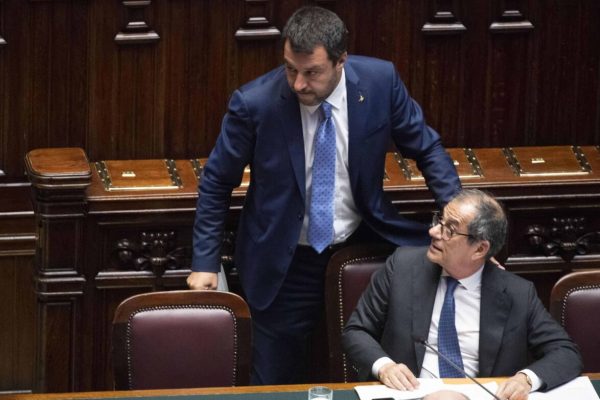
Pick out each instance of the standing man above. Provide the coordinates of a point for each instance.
(488, 321)
(315, 132)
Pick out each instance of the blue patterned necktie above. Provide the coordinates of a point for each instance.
(320, 218)
(447, 336)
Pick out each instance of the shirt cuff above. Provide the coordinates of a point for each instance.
(380, 362)
(536, 382)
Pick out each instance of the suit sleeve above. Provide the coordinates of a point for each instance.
(362, 333)
(416, 140)
(557, 357)
(223, 172)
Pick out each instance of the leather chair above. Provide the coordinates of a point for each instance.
(348, 274)
(575, 303)
(181, 339)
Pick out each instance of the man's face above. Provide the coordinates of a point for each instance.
(456, 255)
(312, 76)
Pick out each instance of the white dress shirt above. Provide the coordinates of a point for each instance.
(467, 300)
(346, 217)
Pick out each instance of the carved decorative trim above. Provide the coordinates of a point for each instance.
(153, 251)
(137, 30)
(257, 25)
(444, 22)
(197, 167)
(565, 238)
(511, 20)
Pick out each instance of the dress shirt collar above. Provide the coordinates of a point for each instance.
(471, 282)
(336, 98)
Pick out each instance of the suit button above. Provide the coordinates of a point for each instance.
(300, 216)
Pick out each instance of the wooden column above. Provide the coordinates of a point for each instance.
(59, 178)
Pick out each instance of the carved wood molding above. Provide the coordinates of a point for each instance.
(137, 30)
(511, 19)
(444, 21)
(257, 25)
(565, 237)
(155, 251)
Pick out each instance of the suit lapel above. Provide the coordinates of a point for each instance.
(495, 309)
(425, 281)
(358, 103)
(291, 125)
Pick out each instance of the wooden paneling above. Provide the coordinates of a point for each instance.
(491, 73)
(17, 297)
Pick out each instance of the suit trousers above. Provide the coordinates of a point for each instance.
(282, 332)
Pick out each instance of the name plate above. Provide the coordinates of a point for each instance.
(547, 161)
(138, 175)
(464, 159)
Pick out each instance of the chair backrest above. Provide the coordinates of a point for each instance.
(575, 303)
(348, 274)
(181, 339)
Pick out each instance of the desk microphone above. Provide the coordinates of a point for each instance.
(456, 367)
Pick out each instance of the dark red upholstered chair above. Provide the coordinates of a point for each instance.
(575, 303)
(348, 274)
(181, 339)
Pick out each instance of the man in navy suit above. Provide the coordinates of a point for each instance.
(500, 326)
(270, 125)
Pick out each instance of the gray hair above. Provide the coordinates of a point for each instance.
(311, 26)
(489, 222)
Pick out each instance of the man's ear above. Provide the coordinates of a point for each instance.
(481, 250)
(341, 61)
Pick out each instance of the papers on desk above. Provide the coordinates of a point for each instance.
(580, 388)
(472, 391)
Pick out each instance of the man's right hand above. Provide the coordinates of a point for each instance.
(398, 376)
(202, 281)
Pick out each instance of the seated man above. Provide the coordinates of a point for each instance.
(491, 323)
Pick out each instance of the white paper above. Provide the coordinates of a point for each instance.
(473, 391)
(578, 389)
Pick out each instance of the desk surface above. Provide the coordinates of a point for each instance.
(343, 391)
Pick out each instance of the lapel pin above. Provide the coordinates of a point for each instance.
(361, 98)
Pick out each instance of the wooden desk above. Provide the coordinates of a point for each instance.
(344, 391)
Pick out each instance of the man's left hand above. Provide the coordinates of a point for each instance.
(514, 388)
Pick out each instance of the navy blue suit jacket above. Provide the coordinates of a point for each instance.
(516, 331)
(263, 129)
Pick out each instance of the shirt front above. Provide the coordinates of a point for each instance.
(467, 300)
(346, 217)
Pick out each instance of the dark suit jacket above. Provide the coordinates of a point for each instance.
(515, 328)
(263, 128)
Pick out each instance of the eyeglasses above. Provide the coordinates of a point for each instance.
(447, 231)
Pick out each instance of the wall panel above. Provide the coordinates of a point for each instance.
(147, 80)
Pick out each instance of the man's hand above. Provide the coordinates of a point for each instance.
(514, 388)
(398, 376)
(202, 281)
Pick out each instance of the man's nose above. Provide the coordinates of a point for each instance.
(299, 83)
(435, 231)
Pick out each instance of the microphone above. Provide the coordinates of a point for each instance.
(456, 367)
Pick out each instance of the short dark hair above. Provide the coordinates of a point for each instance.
(311, 26)
(489, 222)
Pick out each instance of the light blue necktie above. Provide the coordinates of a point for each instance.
(447, 336)
(320, 218)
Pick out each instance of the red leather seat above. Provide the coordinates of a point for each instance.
(181, 339)
(575, 303)
(348, 274)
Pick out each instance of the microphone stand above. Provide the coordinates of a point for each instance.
(456, 367)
